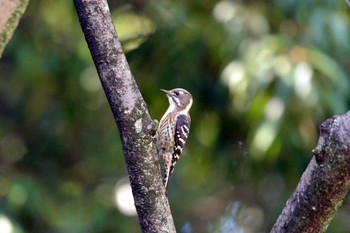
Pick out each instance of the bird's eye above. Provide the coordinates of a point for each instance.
(176, 93)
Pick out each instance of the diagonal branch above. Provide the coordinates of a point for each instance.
(11, 12)
(130, 111)
(324, 183)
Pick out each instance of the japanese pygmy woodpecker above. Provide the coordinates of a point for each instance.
(173, 129)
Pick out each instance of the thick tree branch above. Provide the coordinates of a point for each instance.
(131, 114)
(324, 184)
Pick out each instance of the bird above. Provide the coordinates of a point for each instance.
(173, 129)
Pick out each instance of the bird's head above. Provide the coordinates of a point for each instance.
(179, 99)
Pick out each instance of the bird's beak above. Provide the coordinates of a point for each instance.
(166, 92)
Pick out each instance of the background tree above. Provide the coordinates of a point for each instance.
(263, 75)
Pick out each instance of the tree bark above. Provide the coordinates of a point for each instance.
(11, 12)
(324, 183)
(130, 111)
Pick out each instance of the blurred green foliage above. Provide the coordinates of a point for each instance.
(263, 75)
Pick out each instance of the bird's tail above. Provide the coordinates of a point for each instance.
(168, 170)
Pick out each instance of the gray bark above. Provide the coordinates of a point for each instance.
(324, 183)
(130, 111)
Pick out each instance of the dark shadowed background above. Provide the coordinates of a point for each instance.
(263, 74)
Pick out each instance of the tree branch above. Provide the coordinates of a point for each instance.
(11, 12)
(131, 114)
(324, 184)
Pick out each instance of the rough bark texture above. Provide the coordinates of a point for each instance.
(11, 12)
(131, 114)
(324, 184)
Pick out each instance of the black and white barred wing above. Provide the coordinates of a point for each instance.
(182, 129)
